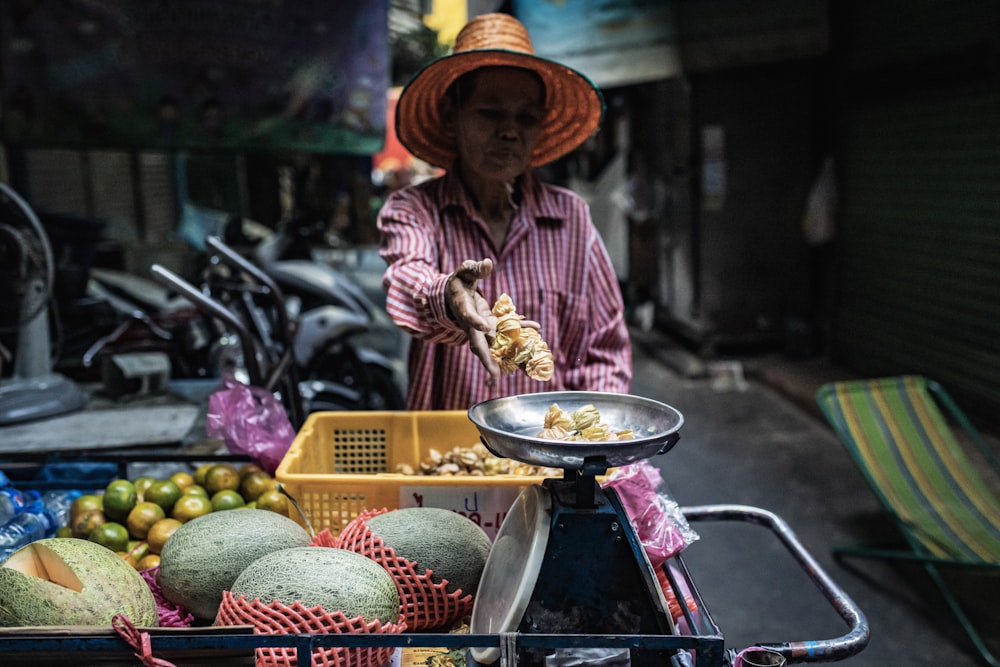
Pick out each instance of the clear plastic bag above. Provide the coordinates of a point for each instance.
(662, 528)
(251, 421)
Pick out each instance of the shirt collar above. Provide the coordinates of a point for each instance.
(453, 194)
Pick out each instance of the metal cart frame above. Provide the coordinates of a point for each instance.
(705, 647)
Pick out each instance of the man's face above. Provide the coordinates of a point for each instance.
(498, 127)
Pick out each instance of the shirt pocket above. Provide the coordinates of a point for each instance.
(563, 317)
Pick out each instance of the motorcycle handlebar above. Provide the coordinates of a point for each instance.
(168, 278)
(240, 263)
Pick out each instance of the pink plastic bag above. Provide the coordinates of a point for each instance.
(251, 421)
(661, 526)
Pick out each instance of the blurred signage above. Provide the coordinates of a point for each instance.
(306, 75)
(393, 154)
(613, 43)
(638, 41)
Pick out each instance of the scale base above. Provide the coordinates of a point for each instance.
(594, 577)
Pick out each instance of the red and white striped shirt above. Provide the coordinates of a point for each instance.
(553, 265)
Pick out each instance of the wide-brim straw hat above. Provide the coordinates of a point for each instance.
(574, 105)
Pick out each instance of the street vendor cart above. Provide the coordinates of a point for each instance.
(567, 574)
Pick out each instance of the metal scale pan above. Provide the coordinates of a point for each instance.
(566, 559)
(509, 427)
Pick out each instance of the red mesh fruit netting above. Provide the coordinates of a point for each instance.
(324, 538)
(170, 615)
(425, 605)
(668, 592)
(277, 618)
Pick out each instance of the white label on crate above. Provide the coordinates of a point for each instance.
(487, 506)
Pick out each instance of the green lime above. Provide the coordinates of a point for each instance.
(141, 484)
(182, 478)
(164, 493)
(160, 532)
(110, 534)
(274, 501)
(138, 550)
(254, 483)
(120, 497)
(200, 471)
(227, 499)
(190, 507)
(88, 501)
(142, 517)
(222, 476)
(196, 490)
(85, 522)
(148, 562)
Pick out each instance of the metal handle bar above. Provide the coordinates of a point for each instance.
(240, 263)
(168, 278)
(826, 650)
(283, 368)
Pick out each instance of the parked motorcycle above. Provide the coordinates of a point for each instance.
(309, 286)
(119, 313)
(307, 356)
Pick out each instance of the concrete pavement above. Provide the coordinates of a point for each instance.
(757, 440)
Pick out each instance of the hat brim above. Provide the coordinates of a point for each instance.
(575, 106)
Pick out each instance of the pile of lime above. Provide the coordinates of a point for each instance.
(134, 518)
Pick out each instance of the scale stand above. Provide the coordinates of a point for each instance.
(567, 560)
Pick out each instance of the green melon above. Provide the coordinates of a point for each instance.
(334, 579)
(70, 581)
(205, 555)
(448, 544)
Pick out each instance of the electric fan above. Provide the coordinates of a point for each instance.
(33, 391)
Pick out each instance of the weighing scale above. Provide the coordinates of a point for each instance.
(566, 559)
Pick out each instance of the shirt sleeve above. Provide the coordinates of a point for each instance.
(413, 281)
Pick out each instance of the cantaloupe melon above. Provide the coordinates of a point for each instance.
(69, 581)
(448, 544)
(334, 579)
(205, 555)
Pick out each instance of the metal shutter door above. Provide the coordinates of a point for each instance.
(920, 286)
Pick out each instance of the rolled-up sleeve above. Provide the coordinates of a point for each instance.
(413, 283)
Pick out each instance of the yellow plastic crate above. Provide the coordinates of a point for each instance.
(339, 463)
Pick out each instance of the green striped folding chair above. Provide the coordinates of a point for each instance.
(898, 434)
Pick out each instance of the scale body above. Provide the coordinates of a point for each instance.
(570, 562)
(567, 559)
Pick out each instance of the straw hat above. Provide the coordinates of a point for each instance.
(574, 105)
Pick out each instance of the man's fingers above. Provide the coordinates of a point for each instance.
(472, 270)
(481, 348)
(473, 313)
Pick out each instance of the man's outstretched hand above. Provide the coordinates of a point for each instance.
(472, 312)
